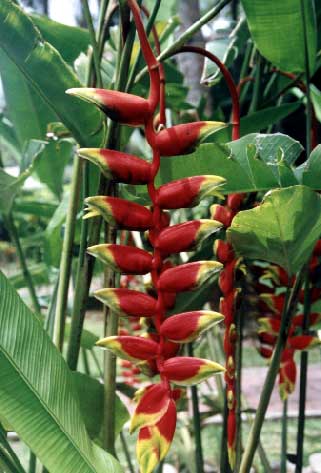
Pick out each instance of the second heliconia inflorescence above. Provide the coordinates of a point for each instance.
(158, 350)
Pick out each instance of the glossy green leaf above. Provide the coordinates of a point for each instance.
(91, 393)
(282, 230)
(38, 396)
(70, 41)
(310, 171)
(253, 163)
(44, 69)
(258, 121)
(277, 30)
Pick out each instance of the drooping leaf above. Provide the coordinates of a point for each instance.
(37, 394)
(44, 69)
(282, 230)
(277, 30)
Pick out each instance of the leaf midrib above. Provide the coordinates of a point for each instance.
(45, 407)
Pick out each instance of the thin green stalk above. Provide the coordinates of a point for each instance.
(254, 435)
(212, 345)
(149, 26)
(307, 298)
(32, 463)
(6, 464)
(93, 41)
(284, 436)
(199, 459)
(66, 255)
(224, 460)
(8, 451)
(126, 452)
(303, 379)
(50, 316)
(188, 34)
(10, 224)
(95, 359)
(257, 85)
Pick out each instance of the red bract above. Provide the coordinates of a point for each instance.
(122, 258)
(188, 192)
(183, 139)
(121, 167)
(119, 212)
(154, 352)
(121, 107)
(185, 236)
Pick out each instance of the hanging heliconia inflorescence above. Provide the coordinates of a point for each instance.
(155, 353)
(225, 255)
(270, 307)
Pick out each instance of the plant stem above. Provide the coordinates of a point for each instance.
(303, 378)
(224, 461)
(126, 452)
(66, 256)
(254, 435)
(32, 463)
(8, 451)
(257, 85)
(284, 436)
(187, 35)
(199, 460)
(94, 44)
(10, 224)
(307, 298)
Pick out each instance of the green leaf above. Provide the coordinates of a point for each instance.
(277, 30)
(70, 41)
(282, 230)
(43, 68)
(9, 185)
(88, 339)
(91, 397)
(257, 121)
(53, 234)
(310, 171)
(38, 396)
(253, 163)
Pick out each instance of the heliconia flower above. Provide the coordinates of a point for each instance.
(231, 437)
(185, 236)
(119, 212)
(314, 318)
(273, 302)
(186, 371)
(268, 338)
(234, 201)
(223, 250)
(267, 324)
(222, 214)
(189, 276)
(303, 342)
(287, 375)
(187, 326)
(129, 347)
(226, 278)
(266, 352)
(122, 258)
(151, 406)
(315, 294)
(154, 441)
(127, 109)
(184, 138)
(148, 367)
(120, 167)
(188, 192)
(126, 302)
(227, 304)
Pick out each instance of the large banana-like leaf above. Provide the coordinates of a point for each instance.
(278, 31)
(45, 70)
(37, 395)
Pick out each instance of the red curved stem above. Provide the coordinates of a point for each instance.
(229, 82)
